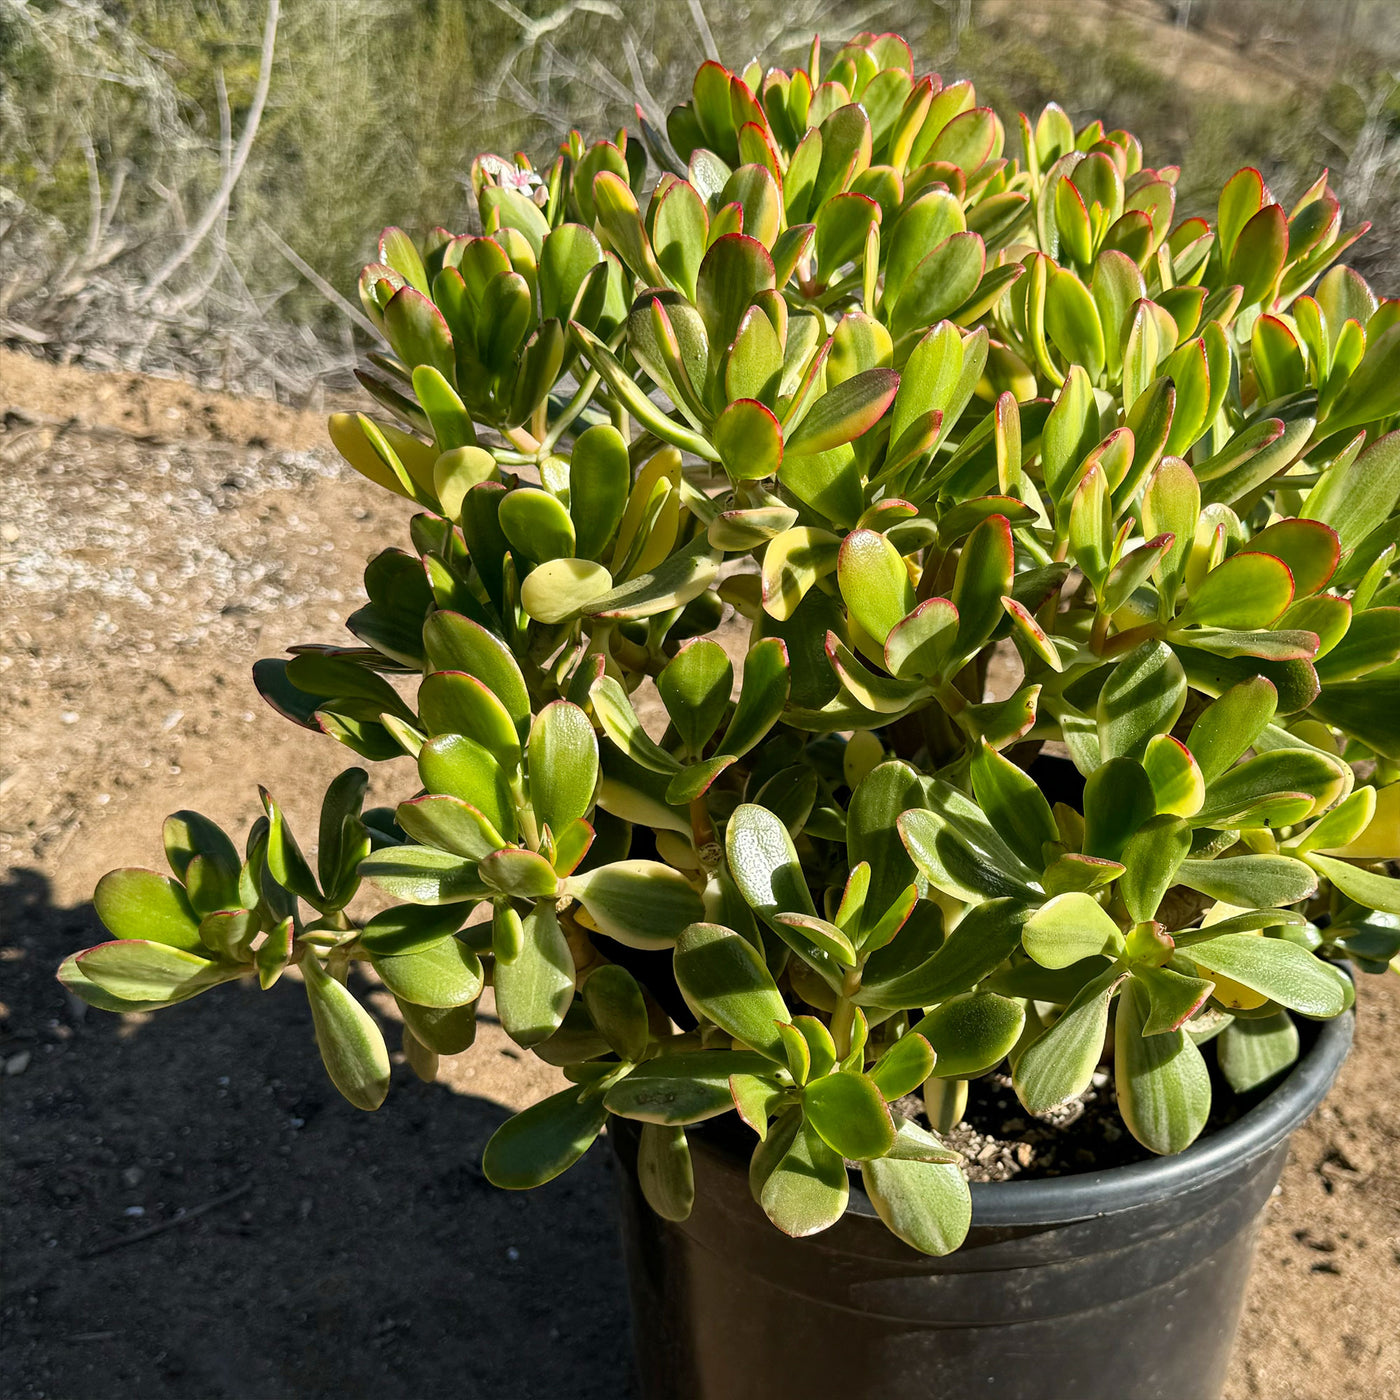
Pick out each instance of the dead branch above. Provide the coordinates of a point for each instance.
(222, 195)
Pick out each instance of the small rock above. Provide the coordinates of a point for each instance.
(1025, 1153)
(133, 1176)
(17, 1064)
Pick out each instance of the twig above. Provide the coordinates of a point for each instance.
(319, 282)
(181, 1218)
(216, 206)
(702, 26)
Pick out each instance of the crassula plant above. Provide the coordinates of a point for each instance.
(779, 430)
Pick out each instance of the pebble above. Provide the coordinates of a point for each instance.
(133, 1176)
(17, 1064)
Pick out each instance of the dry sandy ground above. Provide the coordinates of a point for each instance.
(154, 541)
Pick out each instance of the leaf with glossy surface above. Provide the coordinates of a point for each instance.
(764, 864)
(904, 1066)
(139, 904)
(806, 1189)
(1276, 969)
(563, 763)
(1143, 696)
(1162, 1080)
(535, 987)
(443, 975)
(1068, 928)
(926, 1204)
(695, 688)
(971, 1033)
(348, 1037)
(546, 1139)
(722, 976)
(686, 1088)
(849, 1112)
(1252, 1052)
(1059, 1063)
(421, 875)
(1250, 881)
(640, 903)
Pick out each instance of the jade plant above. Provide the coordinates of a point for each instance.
(785, 483)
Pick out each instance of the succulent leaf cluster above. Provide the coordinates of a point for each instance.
(786, 483)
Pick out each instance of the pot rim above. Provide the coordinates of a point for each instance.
(1055, 1200)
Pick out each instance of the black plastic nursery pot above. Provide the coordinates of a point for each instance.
(1124, 1284)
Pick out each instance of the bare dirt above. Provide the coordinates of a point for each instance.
(154, 541)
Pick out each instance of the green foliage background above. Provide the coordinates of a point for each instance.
(378, 106)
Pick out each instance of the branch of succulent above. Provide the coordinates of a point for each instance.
(844, 376)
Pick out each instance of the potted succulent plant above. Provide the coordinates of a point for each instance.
(824, 374)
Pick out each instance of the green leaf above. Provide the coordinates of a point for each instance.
(1246, 591)
(733, 272)
(844, 413)
(1068, 928)
(764, 863)
(749, 441)
(1252, 1052)
(874, 582)
(641, 903)
(972, 1033)
(1143, 696)
(421, 875)
(1172, 997)
(599, 480)
(135, 970)
(1118, 799)
(1250, 881)
(1381, 892)
(664, 1171)
(682, 1088)
(921, 645)
(410, 928)
(940, 283)
(618, 1009)
(1151, 860)
(793, 562)
(620, 723)
(904, 1066)
(1275, 968)
(873, 840)
(983, 577)
(1357, 498)
(849, 1112)
(671, 584)
(722, 976)
(985, 936)
(1175, 776)
(821, 944)
(1162, 1080)
(456, 643)
(459, 767)
(563, 757)
(519, 874)
(535, 988)
(1230, 725)
(927, 1205)
(546, 1139)
(452, 702)
(139, 904)
(695, 689)
(958, 851)
(348, 1037)
(807, 1189)
(449, 824)
(763, 693)
(1059, 1063)
(443, 975)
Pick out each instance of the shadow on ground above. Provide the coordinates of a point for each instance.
(364, 1254)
